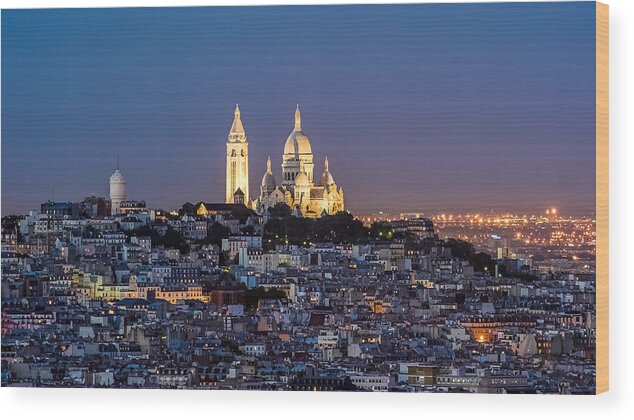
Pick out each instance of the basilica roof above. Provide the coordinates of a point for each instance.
(317, 193)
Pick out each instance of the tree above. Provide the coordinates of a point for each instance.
(187, 209)
(381, 231)
(223, 259)
(144, 230)
(280, 210)
(460, 249)
(483, 262)
(339, 228)
(216, 233)
(287, 230)
(241, 212)
(171, 239)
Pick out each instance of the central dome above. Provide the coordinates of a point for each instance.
(297, 142)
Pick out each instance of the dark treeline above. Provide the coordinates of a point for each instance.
(282, 228)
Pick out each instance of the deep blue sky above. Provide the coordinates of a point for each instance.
(418, 107)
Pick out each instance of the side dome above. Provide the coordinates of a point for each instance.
(268, 180)
(326, 177)
(297, 142)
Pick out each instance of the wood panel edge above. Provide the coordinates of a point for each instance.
(602, 198)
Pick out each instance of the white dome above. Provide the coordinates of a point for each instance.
(326, 177)
(297, 142)
(268, 180)
(117, 177)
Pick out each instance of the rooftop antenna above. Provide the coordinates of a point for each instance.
(117, 161)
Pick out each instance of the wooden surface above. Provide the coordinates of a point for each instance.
(602, 203)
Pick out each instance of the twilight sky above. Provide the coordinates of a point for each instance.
(440, 107)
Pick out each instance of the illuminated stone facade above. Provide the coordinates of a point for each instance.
(237, 160)
(298, 189)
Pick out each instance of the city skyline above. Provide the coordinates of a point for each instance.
(466, 115)
(325, 199)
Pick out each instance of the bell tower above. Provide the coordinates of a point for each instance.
(237, 177)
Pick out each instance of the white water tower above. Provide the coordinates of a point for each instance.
(118, 190)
